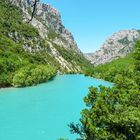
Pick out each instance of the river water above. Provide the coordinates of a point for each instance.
(43, 112)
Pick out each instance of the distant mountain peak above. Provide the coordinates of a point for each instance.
(118, 45)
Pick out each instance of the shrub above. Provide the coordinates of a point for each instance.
(33, 75)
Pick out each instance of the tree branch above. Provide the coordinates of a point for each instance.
(34, 9)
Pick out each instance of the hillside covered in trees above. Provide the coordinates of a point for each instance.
(113, 113)
(25, 55)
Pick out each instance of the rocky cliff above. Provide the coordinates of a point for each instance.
(53, 37)
(118, 45)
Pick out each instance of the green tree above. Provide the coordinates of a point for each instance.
(113, 113)
(33, 75)
(137, 62)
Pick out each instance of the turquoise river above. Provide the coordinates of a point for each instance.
(43, 112)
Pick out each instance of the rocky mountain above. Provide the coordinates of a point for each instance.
(48, 22)
(51, 36)
(118, 45)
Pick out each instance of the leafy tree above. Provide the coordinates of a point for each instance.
(137, 62)
(13, 33)
(33, 74)
(113, 113)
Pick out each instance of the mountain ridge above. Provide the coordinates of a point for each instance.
(117, 46)
(47, 21)
(29, 46)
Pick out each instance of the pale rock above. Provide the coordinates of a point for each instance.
(117, 46)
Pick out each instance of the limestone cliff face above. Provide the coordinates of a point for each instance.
(47, 20)
(118, 45)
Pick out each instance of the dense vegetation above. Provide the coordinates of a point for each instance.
(74, 58)
(21, 46)
(32, 75)
(111, 70)
(14, 60)
(113, 113)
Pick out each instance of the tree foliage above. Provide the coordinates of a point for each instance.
(108, 71)
(33, 74)
(113, 113)
(13, 58)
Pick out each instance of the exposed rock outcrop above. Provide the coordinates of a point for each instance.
(118, 45)
(47, 20)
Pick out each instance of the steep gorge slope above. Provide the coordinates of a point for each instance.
(117, 46)
(41, 42)
(52, 37)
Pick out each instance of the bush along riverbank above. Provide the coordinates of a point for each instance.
(33, 75)
(113, 113)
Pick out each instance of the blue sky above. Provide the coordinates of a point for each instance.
(93, 21)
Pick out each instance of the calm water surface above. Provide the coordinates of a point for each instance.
(43, 112)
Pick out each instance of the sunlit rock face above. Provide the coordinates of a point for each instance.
(118, 45)
(47, 20)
